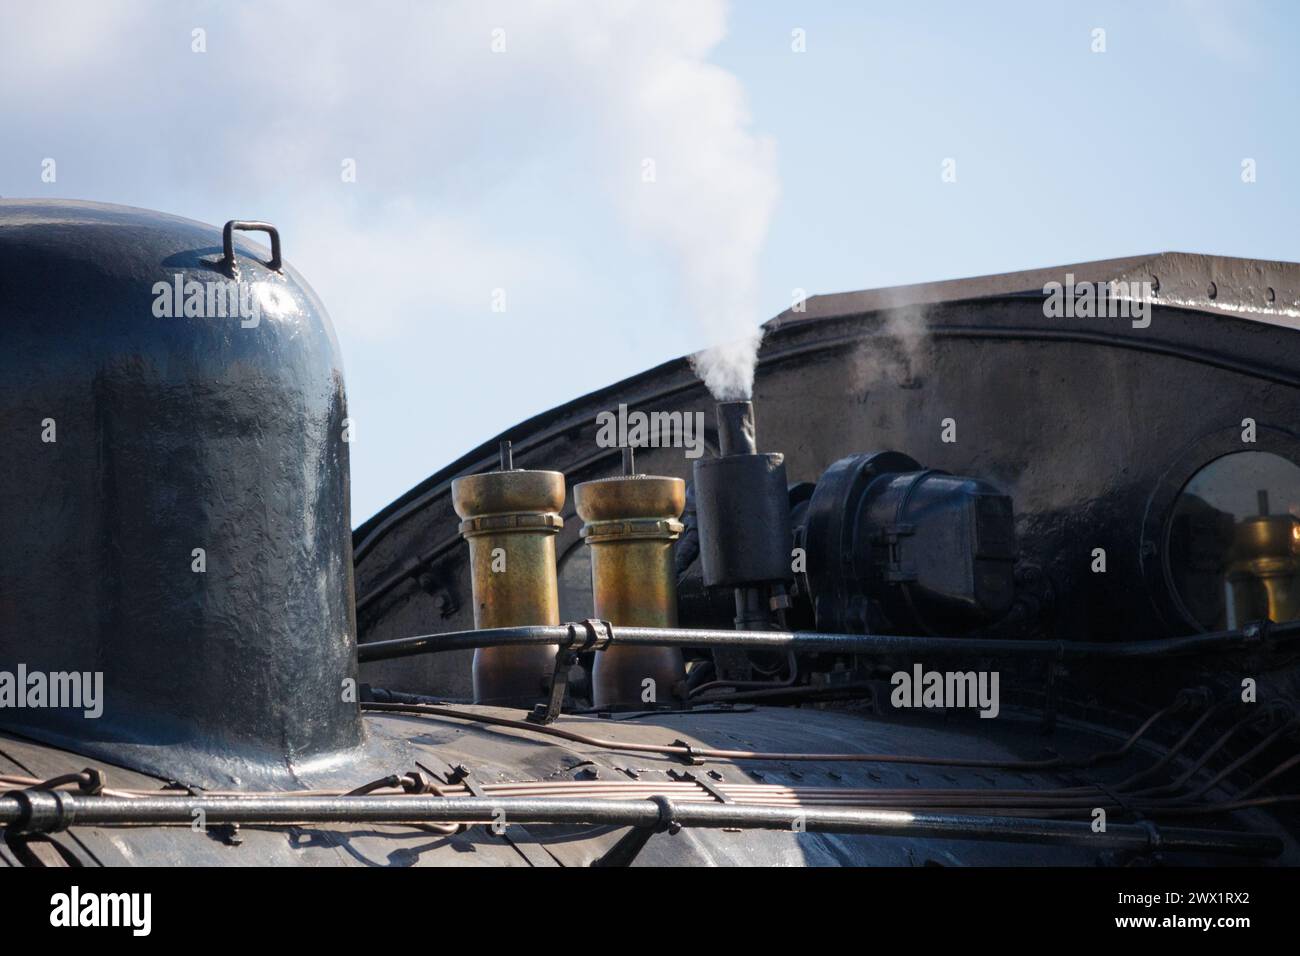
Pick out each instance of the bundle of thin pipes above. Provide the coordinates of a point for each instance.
(1174, 797)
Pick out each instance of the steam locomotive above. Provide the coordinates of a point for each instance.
(971, 578)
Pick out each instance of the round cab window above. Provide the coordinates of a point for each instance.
(1234, 541)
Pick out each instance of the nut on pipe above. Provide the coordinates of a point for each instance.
(630, 524)
(510, 519)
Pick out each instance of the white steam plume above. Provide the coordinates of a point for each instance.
(897, 352)
(707, 188)
(728, 369)
(466, 120)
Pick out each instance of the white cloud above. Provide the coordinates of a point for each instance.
(475, 169)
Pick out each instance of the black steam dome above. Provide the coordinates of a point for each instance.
(174, 520)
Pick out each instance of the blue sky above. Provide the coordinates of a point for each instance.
(1062, 154)
(522, 169)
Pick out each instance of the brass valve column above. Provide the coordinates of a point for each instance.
(630, 525)
(1265, 567)
(510, 519)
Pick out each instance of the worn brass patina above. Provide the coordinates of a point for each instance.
(510, 519)
(630, 525)
(1265, 568)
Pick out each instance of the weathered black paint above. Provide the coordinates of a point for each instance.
(1078, 420)
(743, 509)
(172, 434)
(1074, 424)
(894, 547)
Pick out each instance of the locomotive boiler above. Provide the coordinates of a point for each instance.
(997, 571)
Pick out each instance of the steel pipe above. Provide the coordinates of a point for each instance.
(817, 642)
(50, 811)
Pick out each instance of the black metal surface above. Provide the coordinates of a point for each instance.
(196, 431)
(737, 431)
(1079, 429)
(828, 529)
(444, 750)
(895, 548)
(252, 701)
(744, 519)
(742, 508)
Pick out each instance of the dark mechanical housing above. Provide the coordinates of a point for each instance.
(988, 572)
